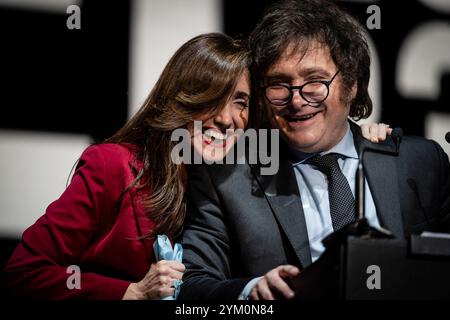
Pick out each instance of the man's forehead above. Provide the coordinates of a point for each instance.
(305, 54)
(304, 46)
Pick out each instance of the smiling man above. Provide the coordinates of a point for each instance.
(305, 98)
(247, 233)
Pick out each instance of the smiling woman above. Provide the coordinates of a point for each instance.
(218, 131)
(127, 190)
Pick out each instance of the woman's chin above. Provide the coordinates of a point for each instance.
(213, 154)
(211, 158)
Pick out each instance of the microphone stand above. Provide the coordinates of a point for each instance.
(361, 227)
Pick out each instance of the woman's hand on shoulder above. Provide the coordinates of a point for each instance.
(375, 132)
(157, 283)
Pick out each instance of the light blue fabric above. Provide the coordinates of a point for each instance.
(313, 188)
(245, 293)
(163, 251)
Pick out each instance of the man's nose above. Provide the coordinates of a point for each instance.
(297, 100)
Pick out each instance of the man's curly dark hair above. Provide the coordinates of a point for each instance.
(300, 23)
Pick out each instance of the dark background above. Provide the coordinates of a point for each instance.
(62, 80)
(76, 81)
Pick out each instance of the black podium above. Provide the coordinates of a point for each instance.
(418, 268)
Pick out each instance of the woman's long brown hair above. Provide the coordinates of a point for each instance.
(196, 82)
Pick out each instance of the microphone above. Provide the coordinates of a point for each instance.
(447, 137)
(396, 135)
(361, 226)
(360, 196)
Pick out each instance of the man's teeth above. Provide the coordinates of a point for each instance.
(301, 118)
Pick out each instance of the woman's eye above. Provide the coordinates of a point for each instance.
(242, 104)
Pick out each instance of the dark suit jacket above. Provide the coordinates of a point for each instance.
(241, 224)
(85, 227)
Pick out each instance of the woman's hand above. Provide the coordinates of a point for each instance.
(157, 283)
(375, 132)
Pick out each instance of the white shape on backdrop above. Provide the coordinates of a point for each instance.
(158, 29)
(437, 5)
(34, 168)
(437, 124)
(422, 60)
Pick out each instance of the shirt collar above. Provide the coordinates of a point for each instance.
(346, 147)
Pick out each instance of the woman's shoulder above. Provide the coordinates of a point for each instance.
(121, 150)
(116, 159)
(110, 152)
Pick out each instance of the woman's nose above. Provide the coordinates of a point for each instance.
(224, 118)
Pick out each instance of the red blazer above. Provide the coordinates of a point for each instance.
(85, 227)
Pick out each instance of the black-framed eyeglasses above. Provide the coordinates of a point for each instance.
(315, 92)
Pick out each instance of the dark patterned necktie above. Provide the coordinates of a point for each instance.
(342, 202)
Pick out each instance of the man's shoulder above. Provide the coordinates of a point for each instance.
(418, 150)
(418, 144)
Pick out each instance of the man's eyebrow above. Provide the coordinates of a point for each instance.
(314, 70)
(305, 72)
(276, 75)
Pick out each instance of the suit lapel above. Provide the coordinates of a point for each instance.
(381, 175)
(281, 192)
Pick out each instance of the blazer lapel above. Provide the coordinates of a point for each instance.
(281, 192)
(381, 175)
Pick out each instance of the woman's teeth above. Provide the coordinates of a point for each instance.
(214, 136)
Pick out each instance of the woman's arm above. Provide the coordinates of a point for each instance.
(38, 268)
